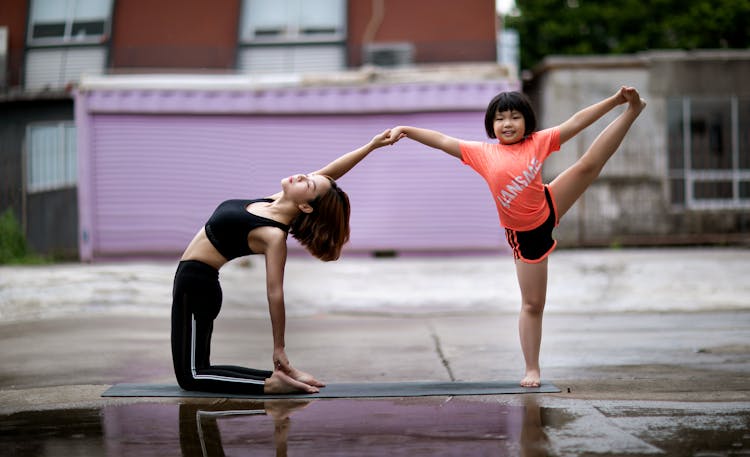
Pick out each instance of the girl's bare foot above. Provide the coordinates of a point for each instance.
(638, 105)
(532, 379)
(635, 102)
(281, 383)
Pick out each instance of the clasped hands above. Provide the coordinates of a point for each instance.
(387, 137)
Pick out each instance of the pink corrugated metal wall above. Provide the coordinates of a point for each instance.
(156, 178)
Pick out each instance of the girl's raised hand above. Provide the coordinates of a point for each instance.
(397, 133)
(620, 95)
(634, 99)
(631, 95)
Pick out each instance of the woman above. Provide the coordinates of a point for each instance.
(316, 212)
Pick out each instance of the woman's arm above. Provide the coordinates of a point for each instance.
(431, 138)
(275, 262)
(589, 115)
(346, 162)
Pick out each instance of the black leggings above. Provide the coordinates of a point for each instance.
(196, 301)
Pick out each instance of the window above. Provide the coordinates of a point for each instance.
(54, 22)
(292, 20)
(51, 156)
(66, 38)
(709, 152)
(278, 36)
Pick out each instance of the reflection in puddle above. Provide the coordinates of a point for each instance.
(349, 427)
(413, 427)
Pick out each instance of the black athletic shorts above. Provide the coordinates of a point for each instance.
(533, 246)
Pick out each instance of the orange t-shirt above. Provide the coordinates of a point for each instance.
(513, 173)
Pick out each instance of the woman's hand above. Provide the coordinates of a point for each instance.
(346, 162)
(281, 363)
(431, 138)
(386, 138)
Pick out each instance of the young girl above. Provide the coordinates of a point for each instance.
(316, 212)
(528, 209)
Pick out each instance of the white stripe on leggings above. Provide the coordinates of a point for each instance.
(214, 377)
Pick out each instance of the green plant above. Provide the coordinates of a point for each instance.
(13, 247)
(12, 242)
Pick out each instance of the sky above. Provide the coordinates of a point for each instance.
(503, 6)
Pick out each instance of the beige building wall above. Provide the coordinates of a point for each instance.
(630, 203)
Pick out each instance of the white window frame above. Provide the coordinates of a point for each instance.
(690, 176)
(51, 162)
(289, 28)
(69, 14)
(280, 44)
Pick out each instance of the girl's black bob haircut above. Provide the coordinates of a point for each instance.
(509, 101)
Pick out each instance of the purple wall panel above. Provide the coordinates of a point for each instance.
(232, 95)
(156, 178)
(157, 154)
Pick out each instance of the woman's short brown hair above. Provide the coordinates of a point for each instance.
(325, 230)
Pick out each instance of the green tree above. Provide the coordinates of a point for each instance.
(577, 27)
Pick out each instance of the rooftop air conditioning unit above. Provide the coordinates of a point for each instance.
(389, 54)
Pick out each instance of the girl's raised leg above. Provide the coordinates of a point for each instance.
(571, 183)
(532, 279)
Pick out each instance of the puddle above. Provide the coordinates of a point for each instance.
(393, 427)
(412, 427)
(52, 433)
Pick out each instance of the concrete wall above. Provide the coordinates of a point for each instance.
(700, 74)
(630, 202)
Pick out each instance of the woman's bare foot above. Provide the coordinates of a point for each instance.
(282, 383)
(306, 378)
(282, 409)
(532, 379)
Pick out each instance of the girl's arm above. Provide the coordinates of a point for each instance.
(591, 114)
(431, 138)
(346, 162)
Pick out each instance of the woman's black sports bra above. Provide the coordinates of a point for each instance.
(230, 224)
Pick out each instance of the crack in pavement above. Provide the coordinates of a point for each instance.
(440, 353)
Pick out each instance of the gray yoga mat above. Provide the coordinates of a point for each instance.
(345, 390)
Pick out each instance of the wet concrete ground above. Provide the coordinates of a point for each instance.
(634, 382)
